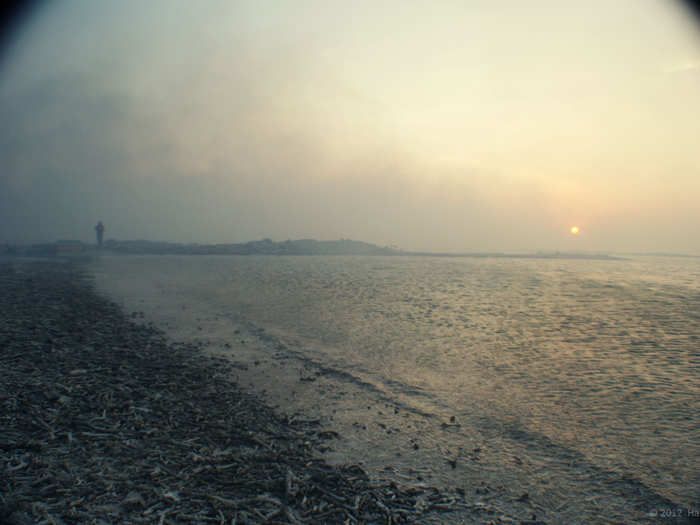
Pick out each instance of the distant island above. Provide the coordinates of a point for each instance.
(261, 247)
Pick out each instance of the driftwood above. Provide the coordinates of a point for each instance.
(104, 421)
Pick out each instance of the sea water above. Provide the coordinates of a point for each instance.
(574, 372)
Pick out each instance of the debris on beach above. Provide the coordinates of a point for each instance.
(103, 420)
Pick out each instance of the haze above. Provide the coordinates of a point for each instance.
(449, 126)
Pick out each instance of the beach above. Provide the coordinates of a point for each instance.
(570, 382)
(106, 417)
(105, 421)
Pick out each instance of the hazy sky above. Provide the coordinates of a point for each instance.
(433, 125)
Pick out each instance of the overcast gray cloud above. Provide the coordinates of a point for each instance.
(426, 126)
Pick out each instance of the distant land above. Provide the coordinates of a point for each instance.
(261, 247)
(661, 254)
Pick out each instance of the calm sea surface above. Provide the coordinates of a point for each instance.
(599, 359)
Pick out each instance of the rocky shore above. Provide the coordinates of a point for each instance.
(103, 420)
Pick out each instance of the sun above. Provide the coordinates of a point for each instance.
(574, 230)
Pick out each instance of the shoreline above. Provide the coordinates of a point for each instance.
(135, 345)
(378, 420)
(103, 418)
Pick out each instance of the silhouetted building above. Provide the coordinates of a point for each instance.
(100, 230)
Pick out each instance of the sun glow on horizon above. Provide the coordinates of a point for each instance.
(303, 120)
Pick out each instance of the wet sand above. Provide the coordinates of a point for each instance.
(390, 440)
(106, 421)
(107, 418)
